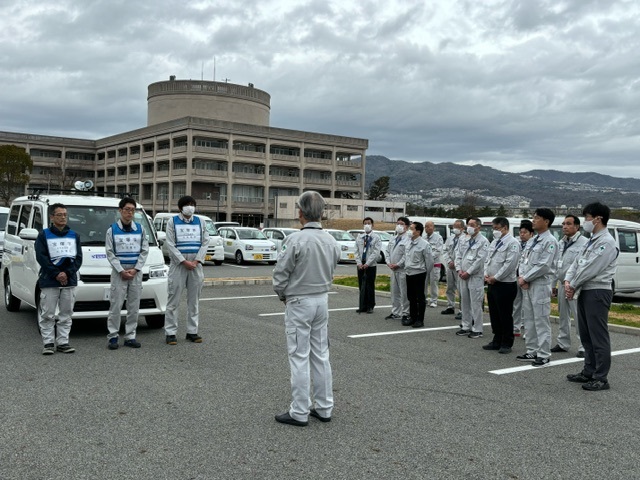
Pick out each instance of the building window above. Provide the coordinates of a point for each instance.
(80, 156)
(282, 150)
(147, 192)
(317, 154)
(36, 152)
(122, 152)
(163, 167)
(111, 154)
(134, 169)
(148, 147)
(147, 167)
(134, 150)
(249, 147)
(180, 142)
(210, 143)
(352, 208)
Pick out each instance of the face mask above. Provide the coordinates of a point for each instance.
(188, 210)
(471, 230)
(497, 234)
(588, 226)
(399, 229)
(456, 231)
(367, 228)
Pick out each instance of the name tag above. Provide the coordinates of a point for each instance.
(470, 257)
(559, 263)
(128, 243)
(187, 233)
(62, 248)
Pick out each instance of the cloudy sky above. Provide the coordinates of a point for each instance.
(512, 84)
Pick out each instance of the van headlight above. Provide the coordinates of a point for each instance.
(273, 248)
(159, 272)
(344, 248)
(248, 247)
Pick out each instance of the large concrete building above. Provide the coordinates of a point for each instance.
(211, 140)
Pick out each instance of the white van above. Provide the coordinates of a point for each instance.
(215, 250)
(4, 215)
(91, 217)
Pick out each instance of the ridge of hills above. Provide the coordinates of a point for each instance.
(542, 187)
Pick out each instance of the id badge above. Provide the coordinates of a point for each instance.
(559, 263)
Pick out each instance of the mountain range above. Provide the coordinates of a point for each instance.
(542, 187)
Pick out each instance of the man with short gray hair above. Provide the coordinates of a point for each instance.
(302, 279)
(449, 260)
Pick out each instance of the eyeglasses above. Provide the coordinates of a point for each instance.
(59, 215)
(129, 210)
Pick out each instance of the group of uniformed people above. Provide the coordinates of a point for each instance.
(59, 254)
(521, 277)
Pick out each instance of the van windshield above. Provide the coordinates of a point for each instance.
(92, 223)
(211, 228)
(3, 221)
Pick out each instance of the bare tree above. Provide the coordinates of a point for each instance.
(15, 167)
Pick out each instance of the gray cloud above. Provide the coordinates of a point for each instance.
(510, 84)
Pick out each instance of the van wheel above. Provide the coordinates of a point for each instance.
(239, 259)
(12, 303)
(154, 321)
(217, 262)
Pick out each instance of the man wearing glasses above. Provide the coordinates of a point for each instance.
(59, 254)
(127, 248)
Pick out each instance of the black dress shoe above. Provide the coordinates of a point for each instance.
(504, 350)
(370, 310)
(406, 321)
(491, 346)
(448, 311)
(417, 324)
(286, 418)
(558, 349)
(359, 311)
(315, 414)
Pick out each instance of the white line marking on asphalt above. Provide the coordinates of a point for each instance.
(413, 330)
(553, 363)
(236, 266)
(331, 310)
(251, 296)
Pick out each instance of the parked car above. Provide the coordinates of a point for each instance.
(384, 238)
(246, 244)
(277, 235)
(91, 217)
(215, 250)
(4, 215)
(347, 244)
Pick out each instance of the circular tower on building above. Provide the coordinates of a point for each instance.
(173, 99)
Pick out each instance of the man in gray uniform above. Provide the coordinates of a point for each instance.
(187, 242)
(368, 247)
(449, 260)
(537, 272)
(395, 261)
(500, 276)
(470, 259)
(302, 279)
(526, 237)
(418, 263)
(433, 279)
(589, 278)
(127, 247)
(572, 244)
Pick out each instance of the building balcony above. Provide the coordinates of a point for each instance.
(162, 173)
(148, 154)
(323, 161)
(180, 149)
(317, 181)
(134, 176)
(212, 203)
(201, 172)
(249, 153)
(283, 178)
(147, 174)
(214, 150)
(134, 156)
(111, 161)
(162, 152)
(252, 203)
(348, 183)
(286, 158)
(250, 176)
(348, 163)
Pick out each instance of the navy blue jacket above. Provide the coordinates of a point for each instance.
(49, 271)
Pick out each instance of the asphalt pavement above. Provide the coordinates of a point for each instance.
(410, 403)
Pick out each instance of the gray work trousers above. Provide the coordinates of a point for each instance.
(431, 285)
(179, 279)
(306, 320)
(517, 311)
(593, 317)
(452, 287)
(121, 290)
(63, 299)
(567, 309)
(471, 299)
(536, 308)
(399, 300)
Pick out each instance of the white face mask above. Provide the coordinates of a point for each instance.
(471, 230)
(367, 228)
(399, 229)
(188, 210)
(497, 234)
(588, 226)
(456, 231)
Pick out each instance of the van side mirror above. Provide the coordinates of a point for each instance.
(162, 236)
(28, 234)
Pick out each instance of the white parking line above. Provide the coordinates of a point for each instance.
(236, 266)
(331, 310)
(250, 296)
(553, 363)
(413, 330)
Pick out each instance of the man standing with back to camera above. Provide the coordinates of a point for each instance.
(302, 279)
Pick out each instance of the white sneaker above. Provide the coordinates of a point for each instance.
(433, 305)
